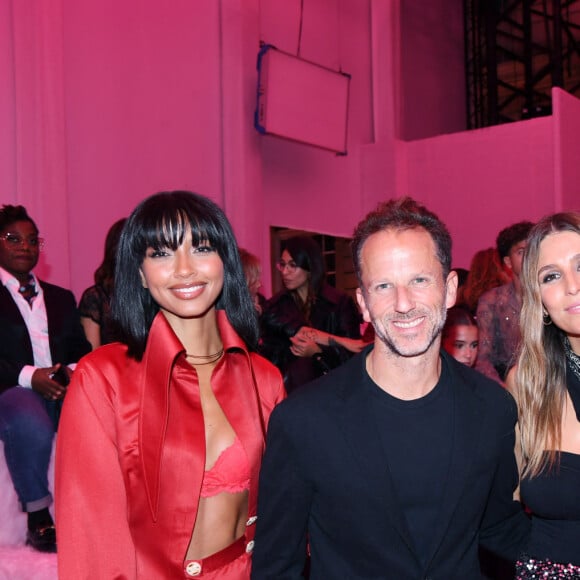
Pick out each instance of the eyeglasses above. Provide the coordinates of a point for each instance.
(292, 266)
(16, 241)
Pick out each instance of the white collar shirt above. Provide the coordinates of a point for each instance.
(36, 322)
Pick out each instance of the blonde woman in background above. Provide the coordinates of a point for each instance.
(253, 273)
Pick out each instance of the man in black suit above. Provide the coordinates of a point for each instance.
(399, 463)
(40, 335)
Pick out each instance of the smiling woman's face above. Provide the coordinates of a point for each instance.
(185, 282)
(559, 281)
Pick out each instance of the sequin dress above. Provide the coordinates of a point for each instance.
(554, 500)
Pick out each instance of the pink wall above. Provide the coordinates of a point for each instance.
(432, 68)
(7, 108)
(304, 187)
(142, 87)
(566, 150)
(103, 104)
(36, 132)
(481, 181)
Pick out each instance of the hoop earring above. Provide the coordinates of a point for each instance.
(546, 319)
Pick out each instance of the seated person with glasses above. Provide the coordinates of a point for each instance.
(40, 334)
(303, 325)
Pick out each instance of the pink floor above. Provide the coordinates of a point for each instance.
(22, 563)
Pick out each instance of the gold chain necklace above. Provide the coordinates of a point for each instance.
(206, 358)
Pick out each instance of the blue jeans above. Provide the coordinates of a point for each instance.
(27, 427)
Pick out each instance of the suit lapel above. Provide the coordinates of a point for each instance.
(11, 315)
(155, 375)
(466, 429)
(53, 310)
(9, 309)
(359, 425)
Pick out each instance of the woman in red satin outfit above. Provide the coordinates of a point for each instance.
(162, 434)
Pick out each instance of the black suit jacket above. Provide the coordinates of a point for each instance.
(325, 474)
(66, 336)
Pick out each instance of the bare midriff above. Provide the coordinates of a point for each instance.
(221, 518)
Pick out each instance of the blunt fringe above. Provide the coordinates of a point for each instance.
(162, 221)
(402, 214)
(541, 371)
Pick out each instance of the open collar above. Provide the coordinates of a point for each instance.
(360, 429)
(161, 353)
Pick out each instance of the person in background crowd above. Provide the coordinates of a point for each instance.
(95, 303)
(546, 384)
(162, 434)
(462, 274)
(498, 309)
(460, 336)
(307, 302)
(40, 335)
(485, 272)
(253, 274)
(399, 463)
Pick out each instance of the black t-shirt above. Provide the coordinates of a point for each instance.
(417, 439)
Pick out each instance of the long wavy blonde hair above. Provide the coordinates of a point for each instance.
(541, 371)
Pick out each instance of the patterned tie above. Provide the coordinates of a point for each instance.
(28, 291)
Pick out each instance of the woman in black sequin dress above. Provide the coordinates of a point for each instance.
(546, 384)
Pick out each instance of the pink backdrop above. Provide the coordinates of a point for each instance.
(103, 103)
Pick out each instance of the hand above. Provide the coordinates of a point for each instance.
(313, 334)
(43, 383)
(303, 345)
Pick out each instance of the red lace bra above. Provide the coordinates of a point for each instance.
(230, 473)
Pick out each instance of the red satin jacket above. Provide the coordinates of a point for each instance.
(131, 452)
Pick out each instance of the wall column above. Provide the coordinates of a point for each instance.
(40, 163)
(241, 156)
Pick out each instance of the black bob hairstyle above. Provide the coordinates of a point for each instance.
(162, 221)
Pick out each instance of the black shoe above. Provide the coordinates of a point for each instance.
(42, 539)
